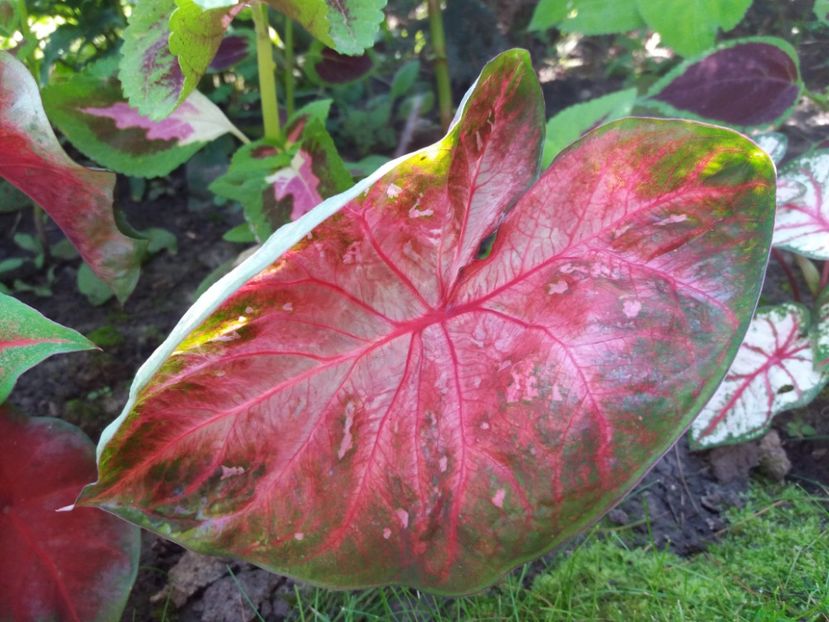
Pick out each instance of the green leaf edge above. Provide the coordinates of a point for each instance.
(70, 341)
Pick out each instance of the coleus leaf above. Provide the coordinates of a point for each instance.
(589, 17)
(752, 82)
(9, 18)
(76, 566)
(775, 370)
(821, 11)
(802, 221)
(366, 401)
(690, 27)
(78, 199)
(233, 49)
(276, 184)
(573, 121)
(328, 67)
(90, 110)
(27, 338)
(348, 26)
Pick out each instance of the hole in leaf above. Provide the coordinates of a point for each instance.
(486, 245)
(786, 388)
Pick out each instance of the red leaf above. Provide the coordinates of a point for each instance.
(75, 566)
(380, 405)
(78, 199)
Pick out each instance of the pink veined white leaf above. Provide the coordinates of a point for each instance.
(775, 370)
(802, 221)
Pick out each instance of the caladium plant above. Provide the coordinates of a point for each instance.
(784, 361)
(371, 399)
(76, 566)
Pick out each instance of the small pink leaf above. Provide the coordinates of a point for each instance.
(774, 371)
(76, 565)
(406, 411)
(802, 221)
(78, 199)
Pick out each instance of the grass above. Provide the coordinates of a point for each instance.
(771, 565)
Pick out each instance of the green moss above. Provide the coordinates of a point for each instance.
(771, 565)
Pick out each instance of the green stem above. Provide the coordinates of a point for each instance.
(289, 66)
(440, 63)
(30, 45)
(267, 73)
(821, 101)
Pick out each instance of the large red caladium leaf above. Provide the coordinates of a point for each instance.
(78, 199)
(91, 111)
(75, 566)
(747, 83)
(802, 222)
(27, 338)
(775, 370)
(368, 399)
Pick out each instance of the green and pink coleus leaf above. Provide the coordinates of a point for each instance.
(170, 44)
(746, 83)
(802, 221)
(78, 199)
(90, 110)
(368, 400)
(775, 370)
(276, 184)
(76, 566)
(27, 338)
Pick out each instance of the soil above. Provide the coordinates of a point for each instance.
(680, 504)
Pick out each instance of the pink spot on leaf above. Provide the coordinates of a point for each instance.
(498, 498)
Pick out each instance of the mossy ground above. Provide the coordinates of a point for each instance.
(772, 564)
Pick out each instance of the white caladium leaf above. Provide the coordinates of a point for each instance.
(775, 370)
(802, 221)
(773, 143)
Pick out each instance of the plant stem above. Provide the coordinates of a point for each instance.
(39, 215)
(30, 44)
(267, 71)
(440, 63)
(810, 273)
(821, 101)
(289, 66)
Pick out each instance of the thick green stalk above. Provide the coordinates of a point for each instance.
(289, 66)
(267, 73)
(440, 63)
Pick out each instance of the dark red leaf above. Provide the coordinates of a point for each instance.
(378, 404)
(748, 83)
(73, 566)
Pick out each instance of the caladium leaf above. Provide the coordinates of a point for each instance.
(90, 110)
(775, 144)
(276, 184)
(573, 121)
(774, 371)
(802, 221)
(366, 400)
(27, 338)
(78, 199)
(690, 27)
(76, 566)
(747, 83)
